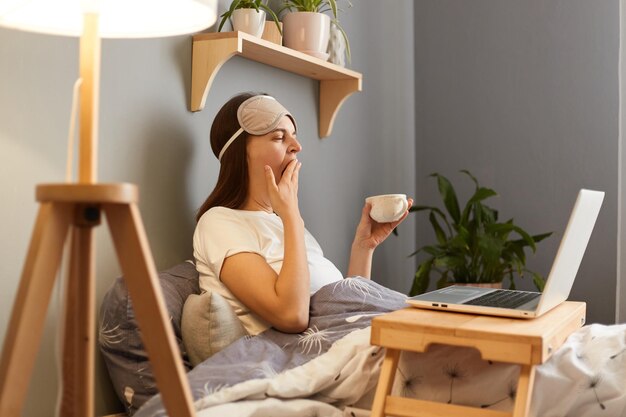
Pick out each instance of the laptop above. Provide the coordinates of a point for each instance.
(526, 304)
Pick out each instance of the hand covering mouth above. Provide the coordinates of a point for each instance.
(286, 165)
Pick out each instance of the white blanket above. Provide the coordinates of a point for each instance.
(585, 377)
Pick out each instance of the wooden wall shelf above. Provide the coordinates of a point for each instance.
(212, 50)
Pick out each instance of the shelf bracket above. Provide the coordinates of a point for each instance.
(332, 95)
(207, 58)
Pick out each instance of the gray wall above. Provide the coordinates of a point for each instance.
(621, 245)
(148, 137)
(524, 94)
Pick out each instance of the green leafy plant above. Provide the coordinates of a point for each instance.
(320, 6)
(472, 245)
(248, 4)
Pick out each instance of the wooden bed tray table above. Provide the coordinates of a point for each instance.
(519, 341)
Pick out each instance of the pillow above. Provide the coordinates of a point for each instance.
(209, 324)
(120, 339)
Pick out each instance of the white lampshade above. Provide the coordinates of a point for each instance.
(117, 18)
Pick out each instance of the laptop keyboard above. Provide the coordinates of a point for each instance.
(504, 299)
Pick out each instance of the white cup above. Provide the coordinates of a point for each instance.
(387, 208)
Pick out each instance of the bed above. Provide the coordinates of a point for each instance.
(331, 369)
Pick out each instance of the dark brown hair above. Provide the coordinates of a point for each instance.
(232, 182)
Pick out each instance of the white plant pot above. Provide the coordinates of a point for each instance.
(249, 21)
(307, 32)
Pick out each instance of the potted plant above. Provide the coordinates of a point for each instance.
(307, 26)
(248, 16)
(472, 247)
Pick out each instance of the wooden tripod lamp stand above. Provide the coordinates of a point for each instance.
(72, 210)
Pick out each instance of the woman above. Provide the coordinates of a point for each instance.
(250, 242)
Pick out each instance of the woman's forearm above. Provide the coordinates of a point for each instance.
(293, 284)
(360, 261)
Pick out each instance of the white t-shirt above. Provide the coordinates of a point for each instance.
(222, 232)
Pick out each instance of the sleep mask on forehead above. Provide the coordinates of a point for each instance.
(258, 115)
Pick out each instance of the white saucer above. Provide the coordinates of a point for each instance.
(321, 55)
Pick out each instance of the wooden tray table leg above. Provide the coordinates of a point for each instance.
(524, 391)
(385, 381)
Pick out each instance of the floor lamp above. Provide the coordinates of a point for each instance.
(72, 210)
